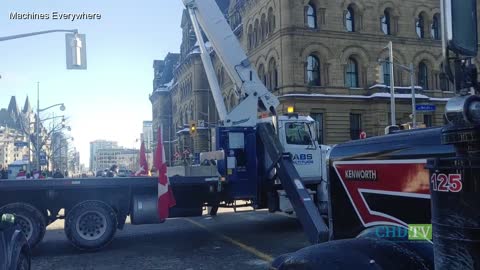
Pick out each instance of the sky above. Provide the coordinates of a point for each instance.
(110, 99)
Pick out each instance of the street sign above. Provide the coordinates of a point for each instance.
(20, 144)
(425, 107)
(43, 158)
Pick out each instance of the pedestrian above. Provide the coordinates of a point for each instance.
(113, 171)
(3, 172)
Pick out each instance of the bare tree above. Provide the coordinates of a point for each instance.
(29, 129)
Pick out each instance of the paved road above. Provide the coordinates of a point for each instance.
(247, 240)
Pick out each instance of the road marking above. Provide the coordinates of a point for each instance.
(245, 247)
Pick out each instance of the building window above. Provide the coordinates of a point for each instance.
(311, 15)
(386, 72)
(320, 127)
(264, 26)
(271, 21)
(420, 26)
(428, 120)
(262, 75)
(350, 19)
(351, 73)
(423, 75)
(256, 33)
(386, 23)
(355, 126)
(273, 75)
(313, 71)
(250, 36)
(436, 27)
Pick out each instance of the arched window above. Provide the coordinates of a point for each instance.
(272, 75)
(264, 26)
(313, 71)
(350, 19)
(386, 72)
(222, 76)
(250, 36)
(436, 27)
(420, 25)
(261, 75)
(271, 21)
(386, 22)
(311, 15)
(233, 102)
(256, 33)
(351, 73)
(423, 75)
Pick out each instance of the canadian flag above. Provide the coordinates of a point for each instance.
(143, 170)
(165, 193)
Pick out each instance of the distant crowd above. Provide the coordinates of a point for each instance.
(33, 174)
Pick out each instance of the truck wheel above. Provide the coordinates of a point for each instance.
(29, 219)
(91, 225)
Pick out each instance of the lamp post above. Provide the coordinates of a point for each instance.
(37, 123)
(410, 69)
(392, 85)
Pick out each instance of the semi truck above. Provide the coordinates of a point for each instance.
(410, 200)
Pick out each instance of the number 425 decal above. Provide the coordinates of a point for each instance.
(446, 183)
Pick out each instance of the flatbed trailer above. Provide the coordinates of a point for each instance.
(94, 208)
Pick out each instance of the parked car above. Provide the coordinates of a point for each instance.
(14, 249)
(102, 173)
(124, 173)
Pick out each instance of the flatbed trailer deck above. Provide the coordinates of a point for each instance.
(105, 201)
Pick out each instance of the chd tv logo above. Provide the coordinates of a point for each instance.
(413, 232)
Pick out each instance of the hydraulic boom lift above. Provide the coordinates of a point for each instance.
(252, 149)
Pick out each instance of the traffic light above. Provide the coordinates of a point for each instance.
(193, 128)
(379, 74)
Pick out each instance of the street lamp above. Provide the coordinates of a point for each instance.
(410, 69)
(37, 133)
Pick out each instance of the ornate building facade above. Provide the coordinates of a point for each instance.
(320, 56)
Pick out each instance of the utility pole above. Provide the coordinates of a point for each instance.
(392, 86)
(414, 107)
(37, 124)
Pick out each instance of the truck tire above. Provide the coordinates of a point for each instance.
(29, 219)
(23, 262)
(91, 225)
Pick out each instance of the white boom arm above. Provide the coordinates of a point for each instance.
(207, 14)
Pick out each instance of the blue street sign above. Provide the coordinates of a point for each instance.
(20, 144)
(43, 158)
(425, 107)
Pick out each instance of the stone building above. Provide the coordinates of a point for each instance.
(122, 157)
(94, 147)
(321, 57)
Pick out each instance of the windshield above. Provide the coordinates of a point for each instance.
(298, 133)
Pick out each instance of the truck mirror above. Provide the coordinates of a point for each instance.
(461, 26)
